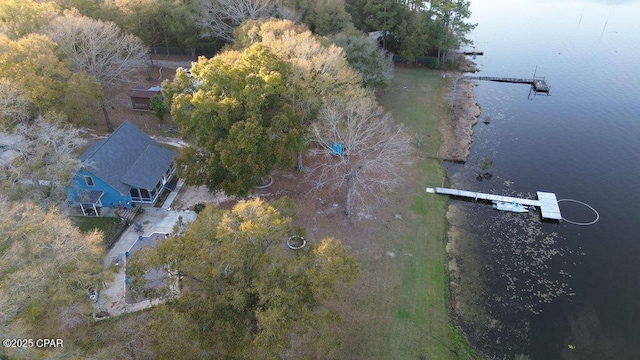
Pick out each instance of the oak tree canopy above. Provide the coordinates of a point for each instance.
(234, 108)
(244, 294)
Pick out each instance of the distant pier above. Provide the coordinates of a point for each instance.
(473, 53)
(547, 202)
(539, 84)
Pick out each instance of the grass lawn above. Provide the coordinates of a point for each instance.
(401, 299)
(107, 225)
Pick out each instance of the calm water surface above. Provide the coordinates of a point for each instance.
(552, 286)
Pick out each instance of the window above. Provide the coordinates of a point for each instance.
(135, 195)
(169, 170)
(89, 180)
(144, 194)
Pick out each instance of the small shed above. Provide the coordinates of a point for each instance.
(141, 98)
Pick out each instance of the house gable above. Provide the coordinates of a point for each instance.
(80, 192)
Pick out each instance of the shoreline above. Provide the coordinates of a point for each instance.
(457, 136)
(457, 131)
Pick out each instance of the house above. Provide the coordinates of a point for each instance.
(141, 98)
(126, 169)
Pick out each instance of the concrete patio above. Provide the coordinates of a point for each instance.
(153, 220)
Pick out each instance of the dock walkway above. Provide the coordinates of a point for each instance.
(547, 202)
(472, 52)
(539, 84)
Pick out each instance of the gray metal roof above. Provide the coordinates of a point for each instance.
(146, 171)
(128, 158)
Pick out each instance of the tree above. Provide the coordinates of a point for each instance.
(318, 71)
(138, 17)
(363, 151)
(233, 107)
(417, 27)
(32, 65)
(156, 22)
(177, 20)
(158, 106)
(382, 15)
(45, 163)
(14, 108)
(92, 9)
(322, 68)
(451, 16)
(100, 49)
(46, 265)
(328, 17)
(19, 18)
(219, 18)
(415, 36)
(364, 56)
(244, 295)
(41, 75)
(81, 96)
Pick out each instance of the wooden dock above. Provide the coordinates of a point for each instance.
(547, 202)
(539, 84)
(472, 53)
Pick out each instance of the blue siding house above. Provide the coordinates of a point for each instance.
(126, 169)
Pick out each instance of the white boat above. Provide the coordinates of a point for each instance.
(510, 206)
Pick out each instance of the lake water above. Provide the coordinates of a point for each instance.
(558, 291)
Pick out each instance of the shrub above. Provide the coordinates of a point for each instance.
(199, 207)
(158, 106)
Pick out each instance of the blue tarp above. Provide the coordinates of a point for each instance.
(337, 148)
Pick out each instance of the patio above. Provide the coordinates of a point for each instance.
(156, 223)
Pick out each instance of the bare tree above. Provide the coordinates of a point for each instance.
(45, 263)
(14, 108)
(288, 13)
(363, 150)
(45, 161)
(46, 266)
(100, 49)
(218, 18)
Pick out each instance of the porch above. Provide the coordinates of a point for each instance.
(90, 202)
(145, 196)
